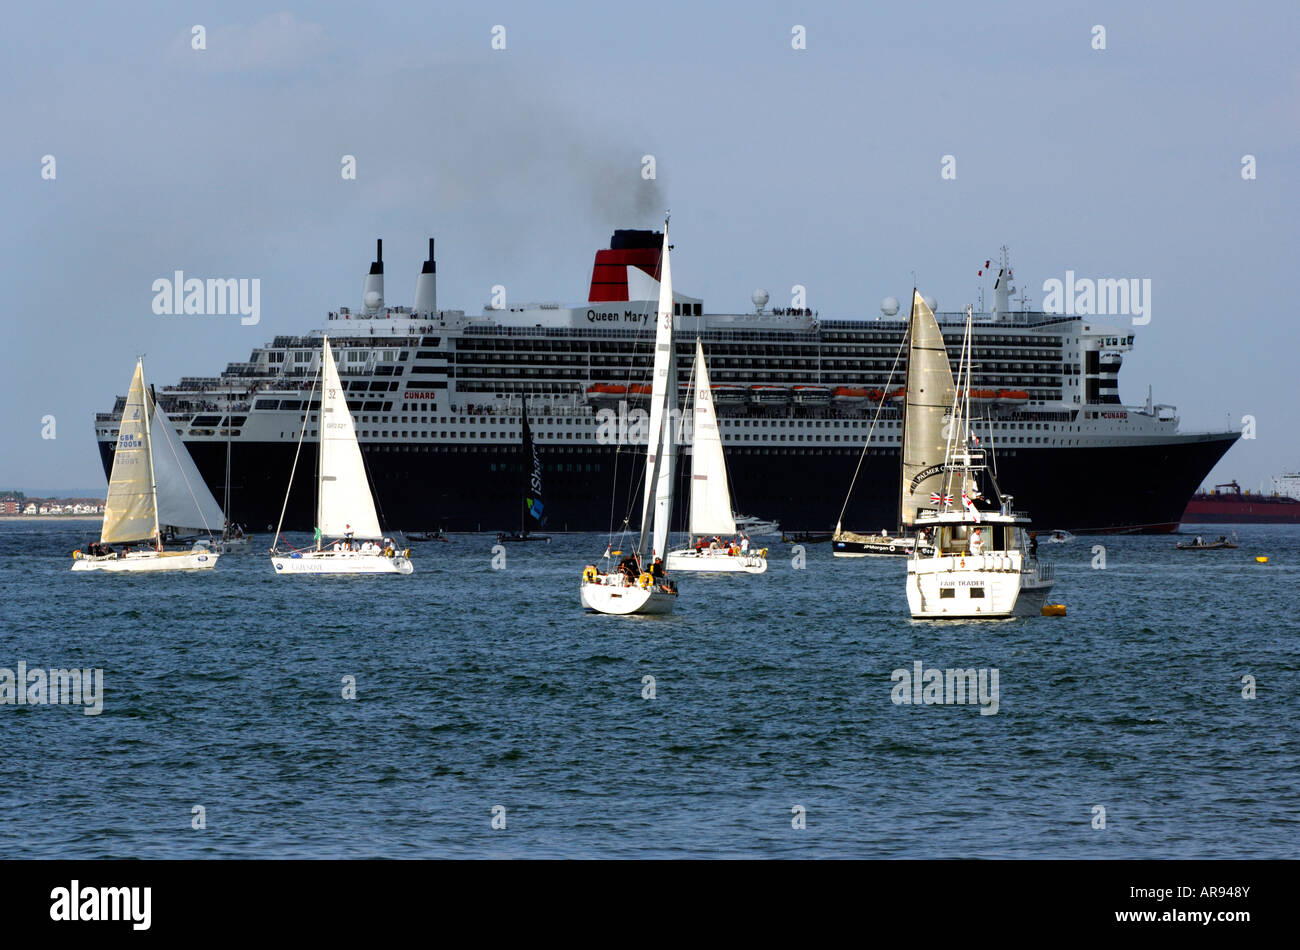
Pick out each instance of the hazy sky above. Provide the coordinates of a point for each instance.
(818, 167)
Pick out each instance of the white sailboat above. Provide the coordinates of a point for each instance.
(978, 563)
(154, 487)
(927, 400)
(632, 588)
(710, 508)
(345, 506)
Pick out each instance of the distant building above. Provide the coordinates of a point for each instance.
(54, 506)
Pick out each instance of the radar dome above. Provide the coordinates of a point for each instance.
(373, 300)
(889, 306)
(930, 302)
(760, 298)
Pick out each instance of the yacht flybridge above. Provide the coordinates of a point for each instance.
(968, 562)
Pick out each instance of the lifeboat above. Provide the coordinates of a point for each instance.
(849, 396)
(982, 397)
(812, 397)
(1012, 397)
(898, 395)
(605, 394)
(729, 395)
(639, 392)
(765, 395)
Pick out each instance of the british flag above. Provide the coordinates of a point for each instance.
(937, 499)
(970, 505)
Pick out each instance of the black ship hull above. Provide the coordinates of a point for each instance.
(423, 487)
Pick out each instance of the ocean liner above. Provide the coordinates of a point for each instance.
(437, 396)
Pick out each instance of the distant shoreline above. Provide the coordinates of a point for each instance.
(4, 518)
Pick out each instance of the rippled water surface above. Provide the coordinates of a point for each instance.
(478, 687)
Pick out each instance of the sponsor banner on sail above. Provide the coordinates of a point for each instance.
(930, 393)
(533, 491)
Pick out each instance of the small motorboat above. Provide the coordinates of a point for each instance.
(426, 536)
(520, 536)
(1200, 544)
(806, 537)
(756, 527)
(1059, 537)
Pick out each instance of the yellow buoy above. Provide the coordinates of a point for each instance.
(1053, 610)
(1262, 559)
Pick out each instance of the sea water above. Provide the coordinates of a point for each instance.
(472, 709)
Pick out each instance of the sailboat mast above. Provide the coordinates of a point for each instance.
(668, 475)
(650, 521)
(225, 531)
(959, 432)
(909, 339)
(320, 448)
(148, 441)
(661, 447)
(527, 466)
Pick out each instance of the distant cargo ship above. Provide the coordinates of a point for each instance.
(1228, 504)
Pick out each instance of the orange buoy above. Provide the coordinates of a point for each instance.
(1053, 610)
(1262, 559)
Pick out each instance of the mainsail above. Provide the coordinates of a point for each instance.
(661, 446)
(930, 394)
(710, 496)
(344, 497)
(532, 475)
(184, 500)
(130, 511)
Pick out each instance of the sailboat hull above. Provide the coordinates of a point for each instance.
(989, 586)
(149, 562)
(613, 598)
(341, 562)
(715, 562)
